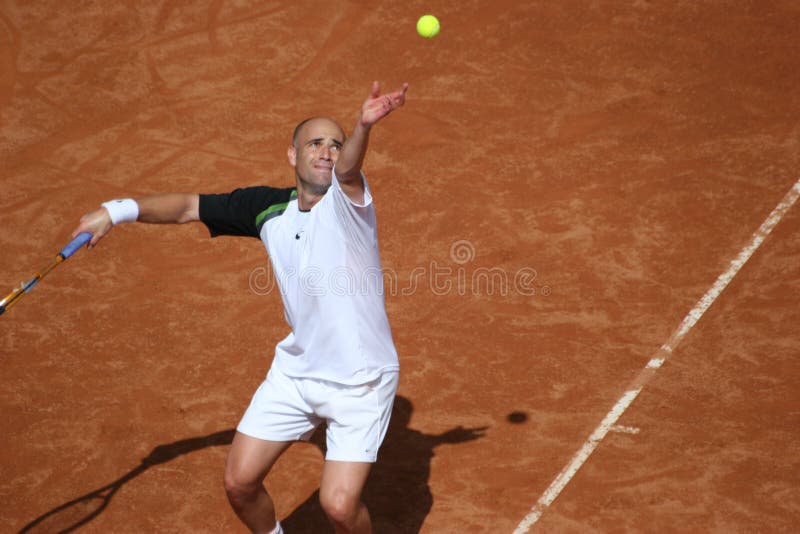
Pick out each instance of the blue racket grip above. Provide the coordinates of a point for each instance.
(80, 240)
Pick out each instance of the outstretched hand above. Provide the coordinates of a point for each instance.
(377, 106)
(461, 434)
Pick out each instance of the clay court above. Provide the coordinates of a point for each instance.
(557, 200)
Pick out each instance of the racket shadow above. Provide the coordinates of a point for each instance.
(80, 511)
(397, 493)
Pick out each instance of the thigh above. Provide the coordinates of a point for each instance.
(250, 459)
(343, 481)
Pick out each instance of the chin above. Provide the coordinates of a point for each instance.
(317, 184)
(319, 188)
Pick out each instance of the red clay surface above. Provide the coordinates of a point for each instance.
(625, 151)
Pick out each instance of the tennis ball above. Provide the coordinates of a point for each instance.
(428, 26)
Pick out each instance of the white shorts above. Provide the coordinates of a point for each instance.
(289, 409)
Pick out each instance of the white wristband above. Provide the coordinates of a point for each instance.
(122, 210)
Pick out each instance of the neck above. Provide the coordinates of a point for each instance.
(307, 197)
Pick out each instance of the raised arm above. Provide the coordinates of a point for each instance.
(375, 108)
(175, 208)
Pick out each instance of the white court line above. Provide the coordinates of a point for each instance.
(657, 361)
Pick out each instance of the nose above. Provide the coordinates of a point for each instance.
(325, 153)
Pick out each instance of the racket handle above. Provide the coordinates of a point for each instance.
(80, 240)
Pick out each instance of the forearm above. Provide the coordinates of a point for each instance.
(165, 208)
(348, 166)
(168, 208)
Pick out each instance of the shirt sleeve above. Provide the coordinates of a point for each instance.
(356, 219)
(242, 212)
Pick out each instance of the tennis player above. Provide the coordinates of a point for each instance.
(338, 364)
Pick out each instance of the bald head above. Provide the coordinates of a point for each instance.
(300, 128)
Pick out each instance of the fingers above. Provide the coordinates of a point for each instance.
(95, 239)
(400, 94)
(404, 90)
(394, 100)
(396, 96)
(378, 106)
(98, 223)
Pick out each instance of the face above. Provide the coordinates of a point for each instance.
(314, 153)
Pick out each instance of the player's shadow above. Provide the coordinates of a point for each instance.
(77, 512)
(397, 493)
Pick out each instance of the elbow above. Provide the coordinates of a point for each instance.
(348, 178)
(347, 174)
(191, 210)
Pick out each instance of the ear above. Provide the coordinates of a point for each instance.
(291, 154)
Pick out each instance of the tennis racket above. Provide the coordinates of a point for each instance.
(13, 297)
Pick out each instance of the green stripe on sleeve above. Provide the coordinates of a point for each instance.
(274, 208)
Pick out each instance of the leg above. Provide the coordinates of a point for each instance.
(358, 417)
(249, 461)
(340, 495)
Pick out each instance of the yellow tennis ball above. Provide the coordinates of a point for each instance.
(428, 26)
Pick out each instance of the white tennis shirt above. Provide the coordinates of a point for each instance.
(329, 273)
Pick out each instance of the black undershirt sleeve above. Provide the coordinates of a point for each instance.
(236, 213)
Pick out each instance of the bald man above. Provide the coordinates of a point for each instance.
(338, 364)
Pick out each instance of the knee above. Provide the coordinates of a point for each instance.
(340, 507)
(238, 489)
